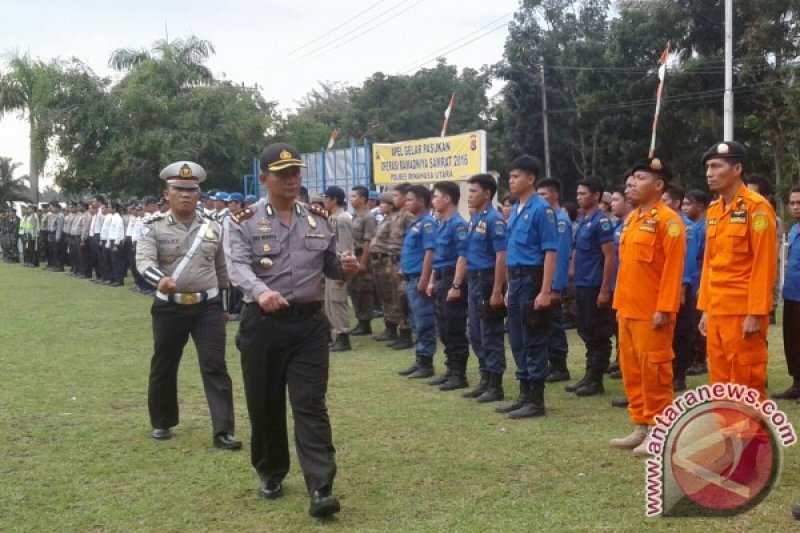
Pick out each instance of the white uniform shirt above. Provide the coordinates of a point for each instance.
(105, 227)
(116, 230)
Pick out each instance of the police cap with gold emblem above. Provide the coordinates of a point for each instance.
(726, 150)
(183, 175)
(653, 165)
(279, 156)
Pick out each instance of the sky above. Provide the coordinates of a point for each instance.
(285, 47)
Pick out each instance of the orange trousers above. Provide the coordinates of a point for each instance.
(645, 357)
(736, 359)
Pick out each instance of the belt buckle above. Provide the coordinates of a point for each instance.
(190, 298)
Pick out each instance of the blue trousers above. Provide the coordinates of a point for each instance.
(557, 347)
(485, 336)
(422, 317)
(528, 345)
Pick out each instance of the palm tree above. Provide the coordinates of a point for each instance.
(188, 54)
(11, 189)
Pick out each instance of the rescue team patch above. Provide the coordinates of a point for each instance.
(499, 228)
(760, 222)
(673, 229)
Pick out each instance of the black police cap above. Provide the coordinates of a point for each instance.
(726, 150)
(653, 165)
(279, 156)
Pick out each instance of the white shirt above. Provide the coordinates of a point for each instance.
(116, 230)
(97, 222)
(105, 226)
(132, 230)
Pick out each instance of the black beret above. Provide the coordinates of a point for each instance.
(653, 165)
(725, 150)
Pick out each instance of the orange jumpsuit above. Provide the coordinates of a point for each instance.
(651, 253)
(738, 273)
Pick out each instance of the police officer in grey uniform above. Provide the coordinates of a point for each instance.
(336, 308)
(180, 253)
(277, 252)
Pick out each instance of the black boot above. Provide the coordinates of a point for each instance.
(593, 385)
(572, 387)
(534, 407)
(389, 333)
(342, 343)
(457, 380)
(440, 380)
(792, 393)
(364, 328)
(620, 402)
(494, 392)
(523, 398)
(404, 340)
(410, 370)
(480, 389)
(679, 382)
(424, 368)
(558, 372)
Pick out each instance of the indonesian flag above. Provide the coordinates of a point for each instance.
(447, 113)
(662, 62)
(332, 140)
(662, 74)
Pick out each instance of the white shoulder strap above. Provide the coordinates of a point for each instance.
(188, 257)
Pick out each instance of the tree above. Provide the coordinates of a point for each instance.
(11, 189)
(185, 56)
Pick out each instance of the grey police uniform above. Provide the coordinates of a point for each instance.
(289, 347)
(336, 307)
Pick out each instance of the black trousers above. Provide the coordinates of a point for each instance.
(683, 341)
(119, 264)
(280, 352)
(791, 347)
(31, 250)
(595, 328)
(451, 323)
(58, 250)
(85, 258)
(108, 263)
(95, 257)
(172, 325)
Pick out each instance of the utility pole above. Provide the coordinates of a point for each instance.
(728, 102)
(544, 126)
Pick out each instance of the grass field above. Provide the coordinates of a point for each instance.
(77, 455)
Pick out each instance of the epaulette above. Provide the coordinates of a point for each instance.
(156, 217)
(242, 215)
(714, 202)
(317, 210)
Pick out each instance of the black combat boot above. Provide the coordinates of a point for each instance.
(572, 387)
(389, 333)
(792, 393)
(523, 398)
(424, 368)
(593, 385)
(679, 381)
(444, 378)
(458, 377)
(535, 405)
(364, 328)
(494, 391)
(404, 340)
(341, 344)
(558, 372)
(410, 370)
(480, 389)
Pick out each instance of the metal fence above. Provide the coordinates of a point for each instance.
(345, 168)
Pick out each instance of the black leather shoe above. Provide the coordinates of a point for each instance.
(679, 384)
(161, 434)
(226, 441)
(592, 387)
(323, 504)
(697, 369)
(455, 382)
(558, 375)
(270, 490)
(620, 402)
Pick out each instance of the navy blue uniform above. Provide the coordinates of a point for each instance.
(683, 341)
(557, 345)
(487, 236)
(419, 238)
(791, 304)
(531, 233)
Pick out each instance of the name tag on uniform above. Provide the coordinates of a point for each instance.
(712, 222)
(315, 236)
(739, 217)
(648, 229)
(649, 225)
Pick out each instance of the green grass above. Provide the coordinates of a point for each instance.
(77, 456)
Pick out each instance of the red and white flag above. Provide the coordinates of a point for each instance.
(332, 140)
(447, 113)
(662, 74)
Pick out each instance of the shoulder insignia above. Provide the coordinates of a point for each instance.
(673, 228)
(242, 215)
(155, 218)
(760, 222)
(317, 210)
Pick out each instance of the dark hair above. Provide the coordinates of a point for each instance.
(796, 188)
(595, 184)
(527, 163)
(450, 188)
(421, 192)
(619, 190)
(100, 198)
(304, 194)
(485, 182)
(402, 188)
(763, 184)
(553, 184)
(675, 192)
(361, 191)
(572, 210)
(508, 198)
(698, 197)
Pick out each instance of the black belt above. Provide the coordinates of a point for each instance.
(409, 277)
(442, 272)
(298, 310)
(486, 273)
(523, 271)
(380, 255)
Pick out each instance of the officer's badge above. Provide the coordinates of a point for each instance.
(427, 227)
(186, 171)
(739, 217)
(562, 226)
(285, 154)
(723, 148)
(551, 216)
(499, 228)
(264, 225)
(525, 216)
(760, 222)
(461, 233)
(312, 222)
(605, 225)
(673, 229)
(267, 248)
(655, 164)
(265, 263)
(211, 235)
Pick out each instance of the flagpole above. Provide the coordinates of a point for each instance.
(447, 114)
(662, 74)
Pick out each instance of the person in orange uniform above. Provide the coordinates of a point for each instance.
(647, 297)
(738, 272)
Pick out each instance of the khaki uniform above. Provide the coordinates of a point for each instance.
(361, 286)
(385, 261)
(336, 307)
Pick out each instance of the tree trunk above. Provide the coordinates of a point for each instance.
(33, 171)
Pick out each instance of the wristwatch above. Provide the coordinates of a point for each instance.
(457, 286)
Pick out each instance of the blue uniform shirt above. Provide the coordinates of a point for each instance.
(487, 236)
(690, 260)
(791, 283)
(451, 241)
(420, 236)
(700, 238)
(619, 225)
(564, 229)
(531, 233)
(593, 231)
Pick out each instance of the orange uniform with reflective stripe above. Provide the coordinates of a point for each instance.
(651, 255)
(739, 269)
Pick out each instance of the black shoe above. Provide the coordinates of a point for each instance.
(410, 370)
(115, 284)
(523, 398)
(323, 504)
(620, 402)
(792, 393)
(558, 375)
(494, 391)
(404, 340)
(592, 387)
(613, 367)
(161, 434)
(226, 441)
(456, 381)
(616, 374)
(572, 387)
(678, 384)
(342, 343)
(364, 328)
(527, 410)
(439, 380)
(697, 369)
(270, 490)
(424, 369)
(480, 389)
(389, 333)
